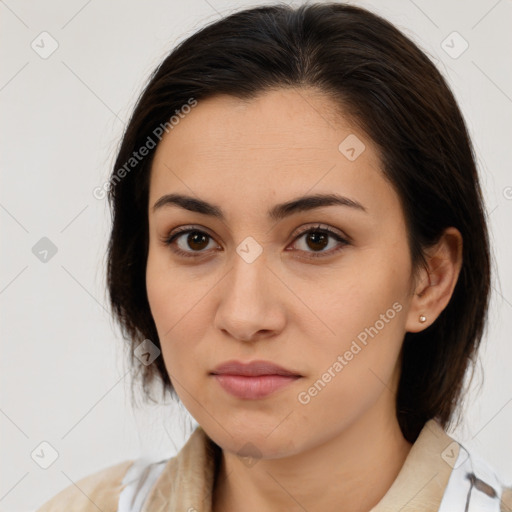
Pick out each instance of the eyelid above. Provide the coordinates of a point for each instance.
(340, 237)
(169, 239)
(323, 227)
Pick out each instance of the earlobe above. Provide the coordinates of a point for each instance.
(437, 281)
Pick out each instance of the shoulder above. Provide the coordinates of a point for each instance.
(97, 491)
(506, 499)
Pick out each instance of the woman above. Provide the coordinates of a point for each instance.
(298, 228)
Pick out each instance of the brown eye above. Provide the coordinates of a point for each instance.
(197, 240)
(189, 242)
(315, 240)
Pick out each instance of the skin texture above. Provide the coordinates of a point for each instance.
(288, 306)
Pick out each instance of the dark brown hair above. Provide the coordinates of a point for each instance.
(384, 82)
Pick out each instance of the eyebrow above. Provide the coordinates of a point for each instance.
(277, 212)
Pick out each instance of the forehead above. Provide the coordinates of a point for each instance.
(283, 121)
(281, 144)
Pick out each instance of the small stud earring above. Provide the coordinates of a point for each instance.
(423, 318)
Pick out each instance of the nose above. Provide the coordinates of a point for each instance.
(251, 305)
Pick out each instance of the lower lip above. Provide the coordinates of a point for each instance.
(252, 388)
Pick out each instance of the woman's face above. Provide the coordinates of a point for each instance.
(330, 308)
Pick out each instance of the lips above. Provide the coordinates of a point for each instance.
(252, 369)
(255, 380)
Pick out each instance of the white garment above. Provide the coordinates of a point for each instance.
(139, 480)
(473, 485)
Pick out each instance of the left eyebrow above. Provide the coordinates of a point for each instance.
(277, 212)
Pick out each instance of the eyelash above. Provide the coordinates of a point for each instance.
(169, 241)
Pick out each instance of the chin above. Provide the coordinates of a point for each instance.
(258, 441)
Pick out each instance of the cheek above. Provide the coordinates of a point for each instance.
(174, 298)
(357, 368)
(170, 291)
(363, 315)
(167, 305)
(158, 291)
(372, 298)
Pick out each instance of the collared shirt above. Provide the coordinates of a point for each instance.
(439, 474)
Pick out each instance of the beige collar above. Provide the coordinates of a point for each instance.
(420, 484)
(186, 482)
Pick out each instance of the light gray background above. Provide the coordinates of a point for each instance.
(63, 379)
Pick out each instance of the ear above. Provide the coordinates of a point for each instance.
(435, 284)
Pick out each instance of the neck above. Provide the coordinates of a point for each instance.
(350, 472)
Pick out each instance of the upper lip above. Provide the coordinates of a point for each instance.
(252, 369)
